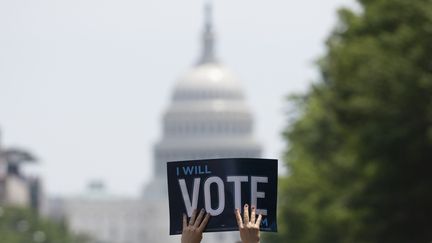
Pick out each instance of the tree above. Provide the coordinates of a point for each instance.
(18, 225)
(360, 148)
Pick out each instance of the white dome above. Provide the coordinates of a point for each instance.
(208, 116)
(208, 81)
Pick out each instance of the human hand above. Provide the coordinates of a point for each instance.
(249, 229)
(192, 232)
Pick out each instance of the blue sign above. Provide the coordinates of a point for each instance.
(220, 186)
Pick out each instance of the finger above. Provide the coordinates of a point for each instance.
(184, 221)
(204, 222)
(258, 222)
(192, 219)
(199, 218)
(252, 219)
(246, 214)
(239, 219)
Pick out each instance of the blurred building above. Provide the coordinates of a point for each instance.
(207, 118)
(102, 217)
(16, 188)
(106, 218)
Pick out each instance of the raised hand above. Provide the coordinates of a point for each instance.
(249, 228)
(192, 232)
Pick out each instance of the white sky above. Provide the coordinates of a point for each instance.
(84, 83)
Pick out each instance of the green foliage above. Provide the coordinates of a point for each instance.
(19, 225)
(360, 150)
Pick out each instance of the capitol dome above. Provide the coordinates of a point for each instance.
(208, 81)
(208, 116)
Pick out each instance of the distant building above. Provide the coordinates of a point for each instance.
(17, 189)
(105, 218)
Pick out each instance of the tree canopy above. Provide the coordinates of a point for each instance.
(359, 151)
(19, 225)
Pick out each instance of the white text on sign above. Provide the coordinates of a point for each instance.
(191, 203)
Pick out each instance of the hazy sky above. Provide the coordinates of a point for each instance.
(84, 83)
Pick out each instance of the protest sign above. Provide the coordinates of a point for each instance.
(220, 186)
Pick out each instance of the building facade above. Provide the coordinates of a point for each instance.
(106, 218)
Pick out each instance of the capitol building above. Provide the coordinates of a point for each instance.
(207, 118)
